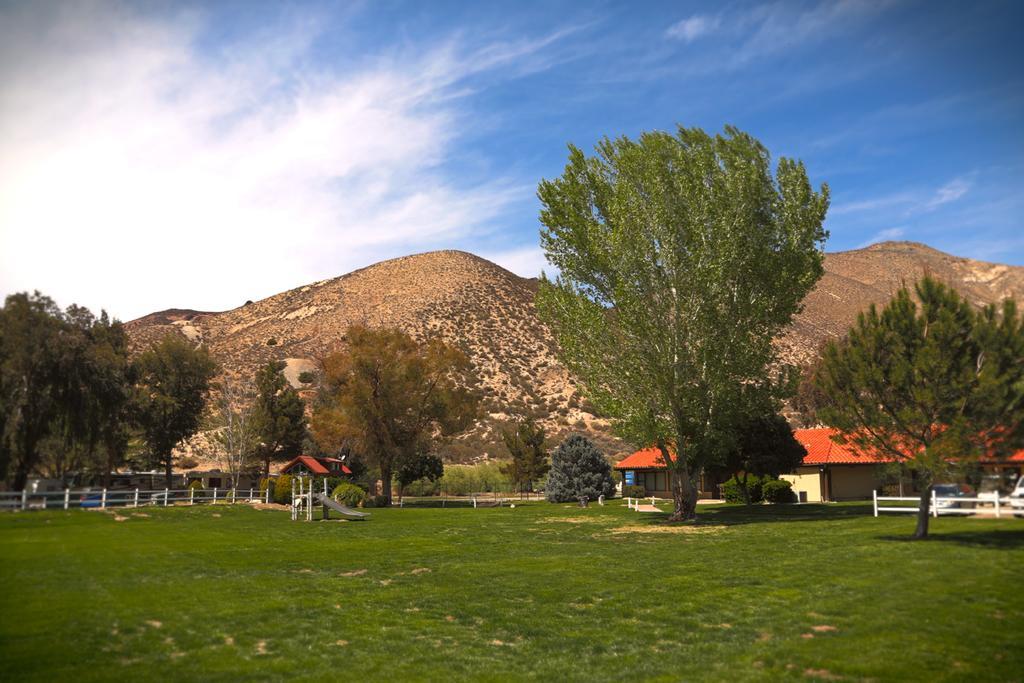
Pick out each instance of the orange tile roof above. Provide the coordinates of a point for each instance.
(821, 450)
(642, 459)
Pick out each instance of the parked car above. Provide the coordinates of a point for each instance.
(943, 494)
(1017, 498)
(992, 486)
(91, 500)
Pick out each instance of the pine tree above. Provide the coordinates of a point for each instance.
(578, 472)
(525, 444)
(934, 386)
(279, 416)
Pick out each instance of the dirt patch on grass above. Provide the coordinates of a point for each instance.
(571, 520)
(261, 647)
(420, 570)
(154, 623)
(354, 572)
(823, 674)
(140, 514)
(667, 529)
(270, 506)
(823, 628)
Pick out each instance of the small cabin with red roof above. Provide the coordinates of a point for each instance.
(312, 466)
(646, 468)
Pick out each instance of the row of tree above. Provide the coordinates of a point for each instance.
(72, 399)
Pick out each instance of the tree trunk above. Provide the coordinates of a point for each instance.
(921, 532)
(743, 488)
(684, 496)
(385, 480)
(21, 475)
(167, 470)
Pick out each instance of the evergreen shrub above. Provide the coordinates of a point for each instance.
(578, 470)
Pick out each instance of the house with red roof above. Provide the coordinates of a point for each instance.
(829, 472)
(832, 471)
(312, 466)
(646, 468)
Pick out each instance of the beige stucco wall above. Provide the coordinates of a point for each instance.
(853, 482)
(807, 480)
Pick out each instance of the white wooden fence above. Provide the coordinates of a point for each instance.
(954, 505)
(110, 498)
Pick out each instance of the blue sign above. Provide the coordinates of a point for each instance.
(630, 477)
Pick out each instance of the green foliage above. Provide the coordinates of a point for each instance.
(391, 398)
(732, 490)
(485, 477)
(65, 385)
(173, 378)
(421, 467)
(279, 416)
(764, 446)
(307, 377)
(633, 491)
(704, 255)
(578, 470)
(525, 443)
(348, 494)
(195, 484)
(933, 385)
(760, 488)
(778, 491)
(377, 501)
(282, 489)
(272, 341)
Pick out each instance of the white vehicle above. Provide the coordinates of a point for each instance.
(1017, 498)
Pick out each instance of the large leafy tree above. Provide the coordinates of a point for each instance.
(279, 416)
(33, 333)
(934, 384)
(765, 446)
(525, 444)
(391, 398)
(681, 258)
(96, 384)
(173, 379)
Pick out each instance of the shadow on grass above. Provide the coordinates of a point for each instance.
(991, 538)
(731, 515)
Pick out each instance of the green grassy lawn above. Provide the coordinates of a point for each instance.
(540, 591)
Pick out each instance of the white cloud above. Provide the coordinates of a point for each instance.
(139, 172)
(908, 203)
(950, 192)
(883, 236)
(692, 28)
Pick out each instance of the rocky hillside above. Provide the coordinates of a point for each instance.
(469, 302)
(488, 312)
(855, 279)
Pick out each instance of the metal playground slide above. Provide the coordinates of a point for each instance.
(338, 507)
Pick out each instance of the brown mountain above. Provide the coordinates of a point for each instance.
(488, 312)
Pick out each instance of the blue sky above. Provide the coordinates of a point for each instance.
(167, 154)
